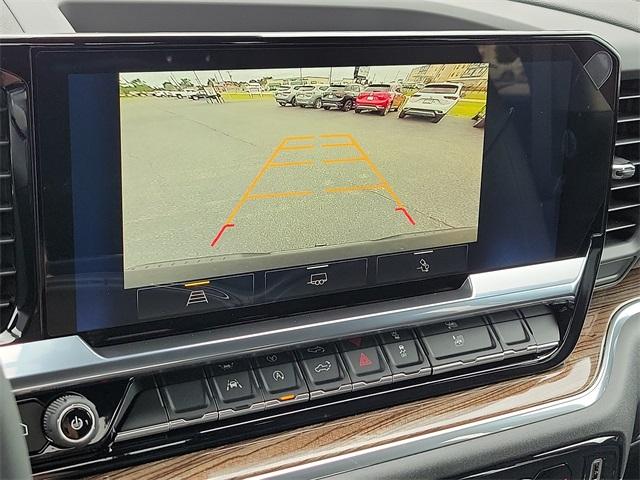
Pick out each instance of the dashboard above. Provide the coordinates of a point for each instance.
(321, 252)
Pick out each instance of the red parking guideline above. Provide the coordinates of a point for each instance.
(219, 234)
(406, 214)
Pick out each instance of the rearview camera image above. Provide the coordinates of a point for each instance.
(232, 171)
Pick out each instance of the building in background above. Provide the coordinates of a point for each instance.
(472, 75)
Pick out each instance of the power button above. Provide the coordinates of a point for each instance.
(70, 421)
(77, 422)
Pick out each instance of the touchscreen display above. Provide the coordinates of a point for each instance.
(233, 171)
(189, 187)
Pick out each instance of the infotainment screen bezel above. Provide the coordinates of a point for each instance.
(581, 214)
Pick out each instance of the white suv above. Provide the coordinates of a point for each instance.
(433, 101)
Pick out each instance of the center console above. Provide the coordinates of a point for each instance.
(217, 237)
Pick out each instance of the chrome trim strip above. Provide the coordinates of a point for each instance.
(94, 38)
(431, 441)
(67, 361)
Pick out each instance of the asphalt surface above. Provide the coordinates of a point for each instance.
(187, 164)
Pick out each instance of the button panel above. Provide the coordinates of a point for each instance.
(242, 385)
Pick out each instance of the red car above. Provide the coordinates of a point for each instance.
(381, 98)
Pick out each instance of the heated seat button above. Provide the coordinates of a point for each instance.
(31, 425)
(366, 366)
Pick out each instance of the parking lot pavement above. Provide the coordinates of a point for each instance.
(188, 165)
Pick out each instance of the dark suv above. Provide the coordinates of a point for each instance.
(342, 97)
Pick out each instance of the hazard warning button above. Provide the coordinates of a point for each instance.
(367, 366)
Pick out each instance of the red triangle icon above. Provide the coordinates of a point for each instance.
(364, 360)
(356, 341)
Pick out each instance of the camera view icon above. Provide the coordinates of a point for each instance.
(318, 279)
(424, 266)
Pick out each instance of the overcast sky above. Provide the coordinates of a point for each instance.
(379, 74)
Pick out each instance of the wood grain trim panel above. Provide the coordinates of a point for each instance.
(338, 437)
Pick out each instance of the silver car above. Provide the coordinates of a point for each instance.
(311, 95)
(288, 95)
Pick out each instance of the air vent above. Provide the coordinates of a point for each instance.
(7, 237)
(624, 202)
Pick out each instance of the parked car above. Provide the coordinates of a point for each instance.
(311, 95)
(160, 93)
(342, 97)
(433, 101)
(381, 98)
(186, 93)
(288, 95)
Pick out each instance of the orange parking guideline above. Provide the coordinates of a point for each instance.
(355, 188)
(259, 196)
(246, 196)
(291, 164)
(343, 160)
(284, 146)
(298, 147)
(334, 145)
(367, 160)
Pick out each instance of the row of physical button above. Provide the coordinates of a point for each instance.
(236, 387)
(277, 378)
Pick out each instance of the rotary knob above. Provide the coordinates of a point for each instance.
(70, 421)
